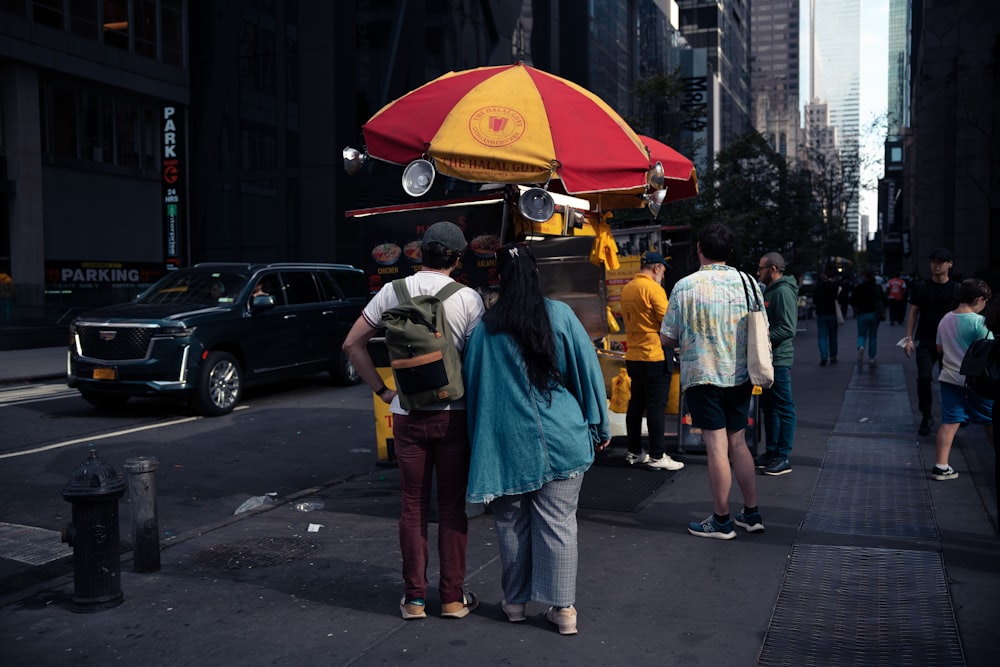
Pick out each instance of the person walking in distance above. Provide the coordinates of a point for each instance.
(896, 293)
(827, 323)
(643, 304)
(433, 439)
(957, 330)
(781, 295)
(869, 302)
(707, 319)
(929, 301)
(537, 412)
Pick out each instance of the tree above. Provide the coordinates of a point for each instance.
(662, 114)
(769, 206)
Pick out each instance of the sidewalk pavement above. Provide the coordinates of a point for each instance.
(864, 561)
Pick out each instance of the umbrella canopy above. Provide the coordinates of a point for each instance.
(511, 124)
(679, 178)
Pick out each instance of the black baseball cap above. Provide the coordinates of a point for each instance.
(942, 255)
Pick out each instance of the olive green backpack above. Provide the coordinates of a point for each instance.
(423, 357)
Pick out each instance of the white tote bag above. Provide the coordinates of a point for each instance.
(759, 362)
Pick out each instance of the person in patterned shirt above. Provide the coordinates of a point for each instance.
(707, 319)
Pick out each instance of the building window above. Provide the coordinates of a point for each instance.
(257, 58)
(91, 124)
(64, 131)
(171, 32)
(48, 12)
(16, 7)
(145, 28)
(116, 23)
(83, 19)
(97, 126)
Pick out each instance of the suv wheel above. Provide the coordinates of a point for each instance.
(343, 371)
(104, 400)
(220, 385)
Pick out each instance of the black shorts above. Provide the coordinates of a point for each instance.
(713, 407)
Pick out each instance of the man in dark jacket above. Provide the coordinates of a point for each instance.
(781, 295)
(825, 300)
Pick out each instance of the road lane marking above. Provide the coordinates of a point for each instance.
(26, 394)
(101, 436)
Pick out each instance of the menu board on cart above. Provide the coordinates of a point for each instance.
(392, 234)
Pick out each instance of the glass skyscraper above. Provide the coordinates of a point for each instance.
(835, 31)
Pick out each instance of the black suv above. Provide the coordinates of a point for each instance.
(206, 332)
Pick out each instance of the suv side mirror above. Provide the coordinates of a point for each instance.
(263, 302)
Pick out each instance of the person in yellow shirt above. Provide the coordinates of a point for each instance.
(643, 304)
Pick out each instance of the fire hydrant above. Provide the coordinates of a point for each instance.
(94, 490)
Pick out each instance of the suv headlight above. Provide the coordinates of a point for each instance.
(174, 332)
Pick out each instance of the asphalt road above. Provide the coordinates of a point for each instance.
(281, 439)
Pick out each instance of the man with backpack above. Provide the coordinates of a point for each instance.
(432, 435)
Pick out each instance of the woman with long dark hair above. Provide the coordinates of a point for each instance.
(537, 410)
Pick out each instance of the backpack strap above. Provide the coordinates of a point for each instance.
(402, 293)
(448, 290)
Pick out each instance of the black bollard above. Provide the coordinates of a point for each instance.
(94, 490)
(145, 521)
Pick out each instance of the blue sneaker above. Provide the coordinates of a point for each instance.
(752, 522)
(712, 528)
(778, 466)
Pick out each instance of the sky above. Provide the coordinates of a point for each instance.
(874, 90)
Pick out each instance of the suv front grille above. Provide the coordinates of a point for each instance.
(127, 343)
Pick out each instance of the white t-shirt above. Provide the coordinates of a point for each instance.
(462, 310)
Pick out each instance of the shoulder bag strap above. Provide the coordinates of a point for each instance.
(752, 304)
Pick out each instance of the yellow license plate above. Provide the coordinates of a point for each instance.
(104, 374)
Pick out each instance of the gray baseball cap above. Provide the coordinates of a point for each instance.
(447, 234)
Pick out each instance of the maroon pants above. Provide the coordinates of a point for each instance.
(428, 443)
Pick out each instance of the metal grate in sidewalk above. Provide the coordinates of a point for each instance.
(869, 412)
(874, 487)
(860, 606)
(31, 545)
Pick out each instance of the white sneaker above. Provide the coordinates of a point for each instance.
(632, 459)
(665, 463)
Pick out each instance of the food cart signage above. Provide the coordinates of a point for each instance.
(392, 234)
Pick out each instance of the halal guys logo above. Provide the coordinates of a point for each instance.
(497, 126)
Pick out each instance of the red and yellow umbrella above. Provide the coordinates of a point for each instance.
(511, 124)
(679, 179)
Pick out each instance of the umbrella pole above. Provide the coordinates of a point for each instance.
(505, 216)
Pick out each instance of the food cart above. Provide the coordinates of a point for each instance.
(518, 129)
(561, 244)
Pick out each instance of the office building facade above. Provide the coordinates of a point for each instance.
(774, 73)
(835, 80)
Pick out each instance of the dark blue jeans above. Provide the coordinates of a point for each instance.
(779, 413)
(650, 390)
(868, 333)
(826, 329)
